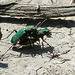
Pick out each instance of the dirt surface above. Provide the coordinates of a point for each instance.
(38, 60)
(40, 2)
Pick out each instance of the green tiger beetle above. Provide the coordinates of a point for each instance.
(28, 36)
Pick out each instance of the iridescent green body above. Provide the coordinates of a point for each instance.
(25, 35)
(29, 28)
(42, 31)
(22, 32)
(18, 35)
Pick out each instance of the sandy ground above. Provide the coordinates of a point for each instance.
(40, 2)
(27, 61)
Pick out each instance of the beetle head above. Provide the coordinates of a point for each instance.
(47, 32)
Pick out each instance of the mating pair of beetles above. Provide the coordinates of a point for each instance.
(29, 35)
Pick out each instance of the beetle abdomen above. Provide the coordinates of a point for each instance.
(18, 35)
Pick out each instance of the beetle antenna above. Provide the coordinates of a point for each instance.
(40, 23)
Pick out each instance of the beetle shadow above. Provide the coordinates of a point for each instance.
(33, 51)
(3, 65)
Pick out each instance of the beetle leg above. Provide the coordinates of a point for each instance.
(42, 45)
(30, 41)
(46, 42)
(5, 53)
(39, 42)
(32, 44)
(10, 34)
